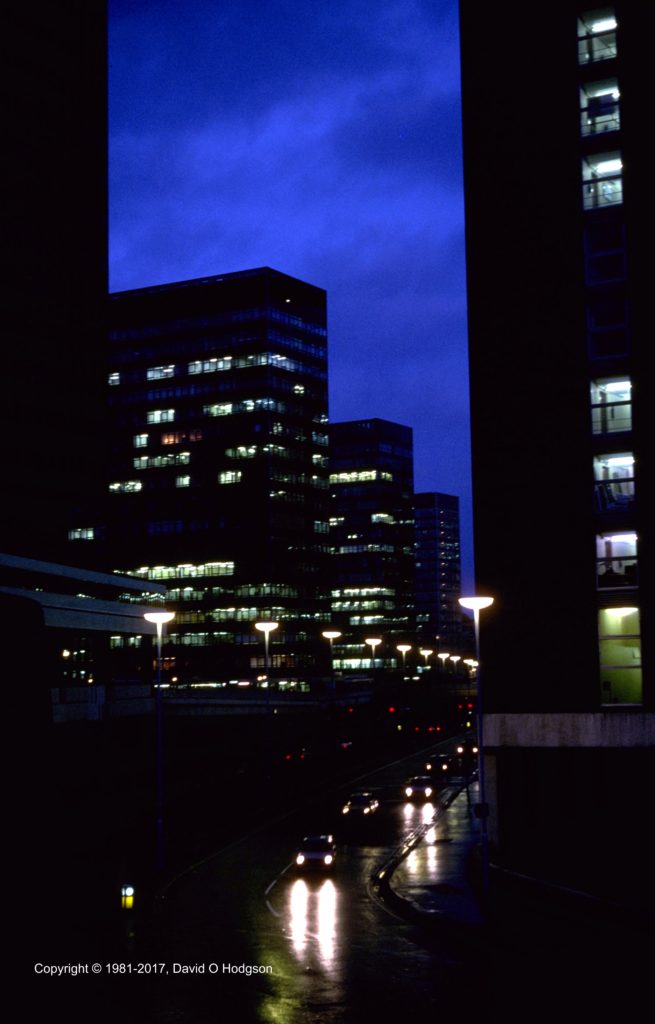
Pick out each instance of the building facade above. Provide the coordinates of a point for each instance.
(54, 273)
(439, 573)
(555, 191)
(219, 470)
(371, 538)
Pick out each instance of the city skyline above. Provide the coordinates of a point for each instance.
(325, 145)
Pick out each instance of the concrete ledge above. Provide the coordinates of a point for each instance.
(607, 728)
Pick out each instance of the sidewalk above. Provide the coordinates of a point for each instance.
(536, 938)
(432, 880)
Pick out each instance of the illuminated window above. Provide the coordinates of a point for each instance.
(125, 486)
(140, 440)
(114, 379)
(183, 571)
(230, 476)
(242, 452)
(160, 372)
(615, 482)
(182, 481)
(161, 461)
(619, 633)
(161, 416)
(359, 476)
(81, 533)
(180, 436)
(602, 180)
(221, 409)
(597, 35)
(599, 107)
(616, 555)
(611, 405)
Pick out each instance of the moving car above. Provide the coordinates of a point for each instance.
(439, 765)
(360, 804)
(419, 787)
(467, 747)
(316, 852)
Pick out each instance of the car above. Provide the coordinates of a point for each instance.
(360, 804)
(439, 765)
(419, 787)
(316, 852)
(467, 748)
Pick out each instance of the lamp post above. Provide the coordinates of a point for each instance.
(476, 604)
(403, 648)
(373, 642)
(443, 656)
(159, 618)
(426, 652)
(266, 628)
(331, 635)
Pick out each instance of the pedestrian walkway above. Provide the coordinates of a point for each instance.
(433, 878)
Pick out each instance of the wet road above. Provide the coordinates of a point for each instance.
(327, 949)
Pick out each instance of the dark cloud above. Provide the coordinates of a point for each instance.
(323, 140)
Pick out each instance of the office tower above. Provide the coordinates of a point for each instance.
(219, 475)
(556, 232)
(371, 537)
(54, 276)
(438, 573)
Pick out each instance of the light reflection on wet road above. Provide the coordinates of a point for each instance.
(336, 954)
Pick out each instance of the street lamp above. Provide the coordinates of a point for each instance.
(426, 652)
(159, 619)
(455, 658)
(403, 648)
(266, 628)
(373, 642)
(444, 658)
(331, 635)
(476, 604)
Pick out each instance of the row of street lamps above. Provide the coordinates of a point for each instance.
(475, 604)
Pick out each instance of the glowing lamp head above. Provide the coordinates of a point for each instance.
(159, 618)
(266, 627)
(476, 603)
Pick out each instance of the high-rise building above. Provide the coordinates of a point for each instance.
(54, 273)
(438, 572)
(371, 537)
(219, 469)
(556, 228)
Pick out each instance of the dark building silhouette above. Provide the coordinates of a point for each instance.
(218, 478)
(371, 537)
(54, 274)
(439, 620)
(556, 211)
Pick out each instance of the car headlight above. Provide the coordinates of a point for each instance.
(408, 791)
(428, 767)
(300, 859)
(475, 750)
(460, 750)
(428, 791)
(366, 810)
(345, 810)
(444, 767)
(328, 858)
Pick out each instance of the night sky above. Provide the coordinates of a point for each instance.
(321, 139)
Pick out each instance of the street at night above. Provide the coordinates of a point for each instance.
(326, 572)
